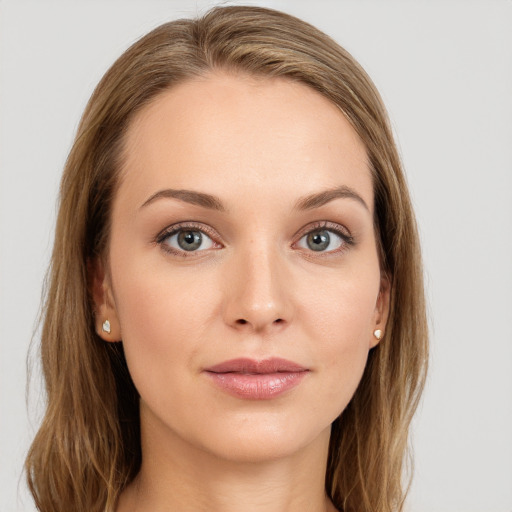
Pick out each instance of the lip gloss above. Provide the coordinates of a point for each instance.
(257, 380)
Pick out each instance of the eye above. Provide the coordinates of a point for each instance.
(324, 240)
(185, 239)
(190, 240)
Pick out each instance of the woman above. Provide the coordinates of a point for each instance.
(235, 317)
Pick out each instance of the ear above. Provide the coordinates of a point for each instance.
(381, 310)
(105, 314)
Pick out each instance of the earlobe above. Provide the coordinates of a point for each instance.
(105, 314)
(381, 310)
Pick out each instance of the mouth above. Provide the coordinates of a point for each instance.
(256, 380)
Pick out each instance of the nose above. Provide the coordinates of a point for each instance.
(258, 295)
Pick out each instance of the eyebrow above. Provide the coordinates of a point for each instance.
(211, 202)
(188, 196)
(319, 199)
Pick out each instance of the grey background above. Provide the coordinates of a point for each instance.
(445, 72)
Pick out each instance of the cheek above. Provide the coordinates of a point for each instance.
(154, 311)
(341, 310)
(340, 322)
(163, 319)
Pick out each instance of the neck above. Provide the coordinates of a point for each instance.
(177, 476)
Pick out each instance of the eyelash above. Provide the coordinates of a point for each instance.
(183, 226)
(348, 240)
(343, 233)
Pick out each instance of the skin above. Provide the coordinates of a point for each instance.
(255, 290)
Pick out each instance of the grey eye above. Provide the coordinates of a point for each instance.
(189, 240)
(318, 241)
(321, 240)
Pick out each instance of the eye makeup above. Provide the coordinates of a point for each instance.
(314, 238)
(188, 227)
(191, 239)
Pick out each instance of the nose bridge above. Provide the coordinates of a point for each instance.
(258, 296)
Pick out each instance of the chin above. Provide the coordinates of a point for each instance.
(260, 439)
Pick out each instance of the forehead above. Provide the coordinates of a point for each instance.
(224, 131)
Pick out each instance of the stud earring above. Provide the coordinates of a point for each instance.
(378, 334)
(106, 326)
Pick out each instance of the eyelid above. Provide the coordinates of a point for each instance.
(328, 226)
(184, 226)
(334, 227)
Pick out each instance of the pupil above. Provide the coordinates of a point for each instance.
(189, 240)
(318, 241)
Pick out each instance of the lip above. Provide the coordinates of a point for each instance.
(256, 380)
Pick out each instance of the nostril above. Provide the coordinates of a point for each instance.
(242, 321)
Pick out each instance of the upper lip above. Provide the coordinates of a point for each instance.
(252, 366)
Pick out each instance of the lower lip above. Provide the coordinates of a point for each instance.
(261, 386)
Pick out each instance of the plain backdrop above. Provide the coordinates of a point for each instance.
(444, 69)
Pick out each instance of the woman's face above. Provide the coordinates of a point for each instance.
(243, 273)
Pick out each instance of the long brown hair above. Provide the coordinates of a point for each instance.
(88, 446)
